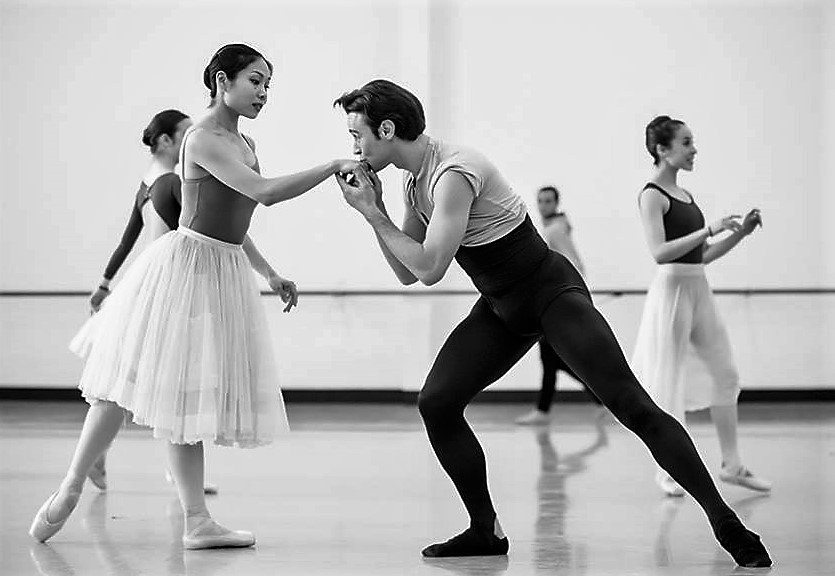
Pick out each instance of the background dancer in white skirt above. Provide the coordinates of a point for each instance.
(183, 343)
(156, 207)
(680, 314)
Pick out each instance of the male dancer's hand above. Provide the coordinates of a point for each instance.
(364, 192)
(751, 221)
(286, 290)
(375, 181)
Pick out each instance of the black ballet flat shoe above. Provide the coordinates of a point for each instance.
(470, 542)
(741, 543)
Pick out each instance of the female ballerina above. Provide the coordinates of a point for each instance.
(680, 311)
(183, 344)
(157, 206)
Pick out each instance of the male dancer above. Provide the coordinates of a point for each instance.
(459, 206)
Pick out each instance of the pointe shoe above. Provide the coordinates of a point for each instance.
(98, 476)
(42, 529)
(669, 486)
(206, 536)
(208, 487)
(534, 418)
(742, 476)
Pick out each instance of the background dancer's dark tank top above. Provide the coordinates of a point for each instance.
(681, 219)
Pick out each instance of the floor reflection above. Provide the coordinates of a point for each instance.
(553, 552)
(49, 562)
(476, 566)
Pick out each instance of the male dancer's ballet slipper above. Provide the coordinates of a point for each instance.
(42, 529)
(741, 543)
(470, 542)
(209, 534)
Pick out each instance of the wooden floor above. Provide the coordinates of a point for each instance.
(355, 489)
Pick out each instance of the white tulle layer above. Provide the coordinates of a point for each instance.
(183, 344)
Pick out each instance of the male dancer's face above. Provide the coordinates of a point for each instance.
(367, 145)
(546, 203)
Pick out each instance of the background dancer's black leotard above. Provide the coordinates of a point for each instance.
(165, 192)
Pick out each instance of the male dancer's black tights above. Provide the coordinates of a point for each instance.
(551, 364)
(481, 349)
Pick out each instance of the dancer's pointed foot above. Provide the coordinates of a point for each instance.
(741, 543)
(471, 542)
(53, 514)
(209, 534)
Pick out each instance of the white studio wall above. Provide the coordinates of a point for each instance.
(389, 342)
(554, 92)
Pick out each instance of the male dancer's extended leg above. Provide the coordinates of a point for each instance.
(583, 339)
(477, 353)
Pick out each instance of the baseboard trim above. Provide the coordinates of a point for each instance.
(410, 397)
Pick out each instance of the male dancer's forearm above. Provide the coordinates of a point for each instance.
(403, 275)
(410, 253)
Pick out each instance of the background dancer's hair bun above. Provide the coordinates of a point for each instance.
(661, 130)
(164, 122)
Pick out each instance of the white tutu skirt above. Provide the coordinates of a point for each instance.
(183, 344)
(682, 352)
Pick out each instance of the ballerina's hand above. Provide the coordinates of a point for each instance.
(752, 220)
(345, 166)
(286, 290)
